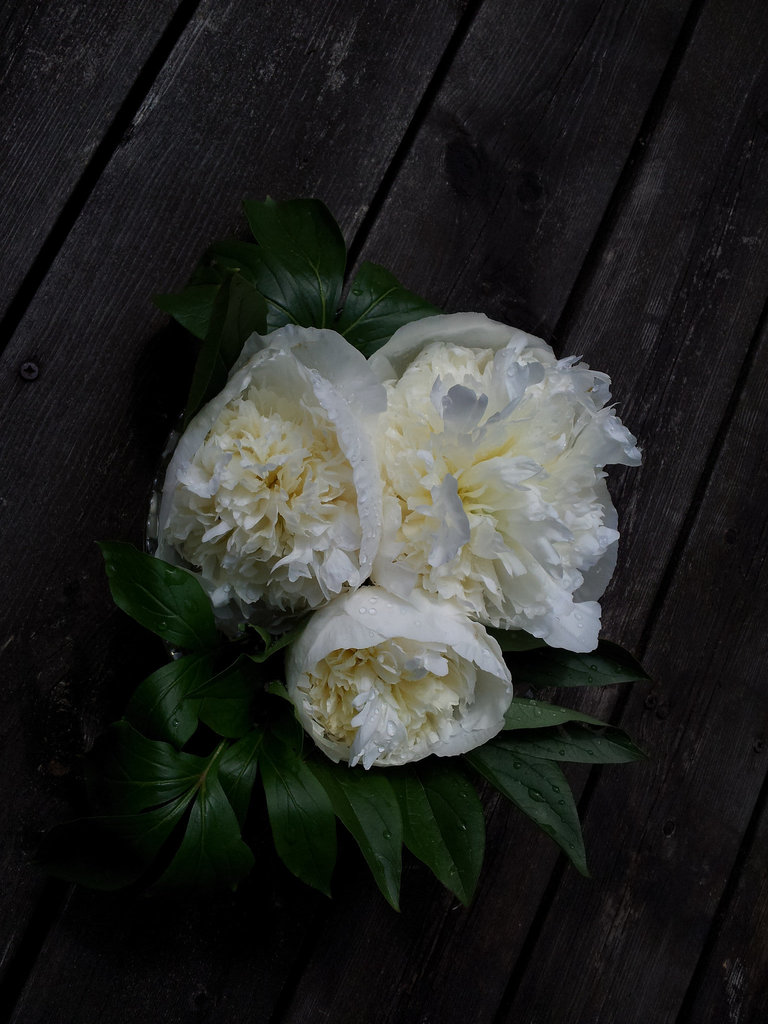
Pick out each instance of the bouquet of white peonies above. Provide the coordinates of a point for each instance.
(376, 521)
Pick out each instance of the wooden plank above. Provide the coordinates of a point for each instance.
(293, 99)
(673, 331)
(433, 967)
(65, 71)
(732, 984)
(676, 824)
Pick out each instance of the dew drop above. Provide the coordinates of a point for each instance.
(561, 753)
(463, 827)
(515, 764)
(571, 846)
(387, 834)
(555, 789)
(534, 794)
(561, 803)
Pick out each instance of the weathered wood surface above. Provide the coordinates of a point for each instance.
(594, 172)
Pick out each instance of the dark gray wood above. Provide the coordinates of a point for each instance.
(676, 825)
(299, 99)
(515, 197)
(732, 983)
(651, 321)
(65, 71)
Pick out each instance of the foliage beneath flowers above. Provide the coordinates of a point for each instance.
(174, 780)
(292, 274)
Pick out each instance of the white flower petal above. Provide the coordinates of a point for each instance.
(524, 437)
(274, 493)
(377, 679)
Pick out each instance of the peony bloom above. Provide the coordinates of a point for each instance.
(273, 493)
(492, 452)
(382, 680)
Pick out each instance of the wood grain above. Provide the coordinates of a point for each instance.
(299, 99)
(65, 72)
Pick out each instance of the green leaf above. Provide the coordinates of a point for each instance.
(575, 742)
(192, 307)
(443, 823)
(377, 304)
(302, 259)
(109, 852)
(226, 701)
(161, 597)
(212, 851)
(540, 790)
(366, 805)
(300, 813)
(238, 311)
(154, 787)
(160, 707)
(135, 773)
(272, 644)
(237, 772)
(515, 640)
(550, 666)
(523, 713)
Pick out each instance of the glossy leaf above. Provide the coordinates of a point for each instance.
(550, 666)
(523, 713)
(226, 702)
(192, 307)
(237, 772)
(238, 311)
(366, 805)
(512, 640)
(136, 773)
(376, 305)
(540, 790)
(300, 813)
(212, 851)
(155, 787)
(160, 707)
(573, 742)
(272, 643)
(161, 597)
(302, 257)
(443, 822)
(109, 852)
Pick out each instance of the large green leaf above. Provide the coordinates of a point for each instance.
(154, 788)
(443, 822)
(300, 813)
(134, 773)
(238, 310)
(226, 702)
(573, 742)
(160, 707)
(161, 597)
(366, 805)
(237, 772)
(192, 307)
(513, 640)
(109, 852)
(540, 790)
(523, 713)
(302, 256)
(212, 851)
(550, 666)
(377, 304)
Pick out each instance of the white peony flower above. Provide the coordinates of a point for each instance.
(273, 493)
(492, 453)
(382, 680)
